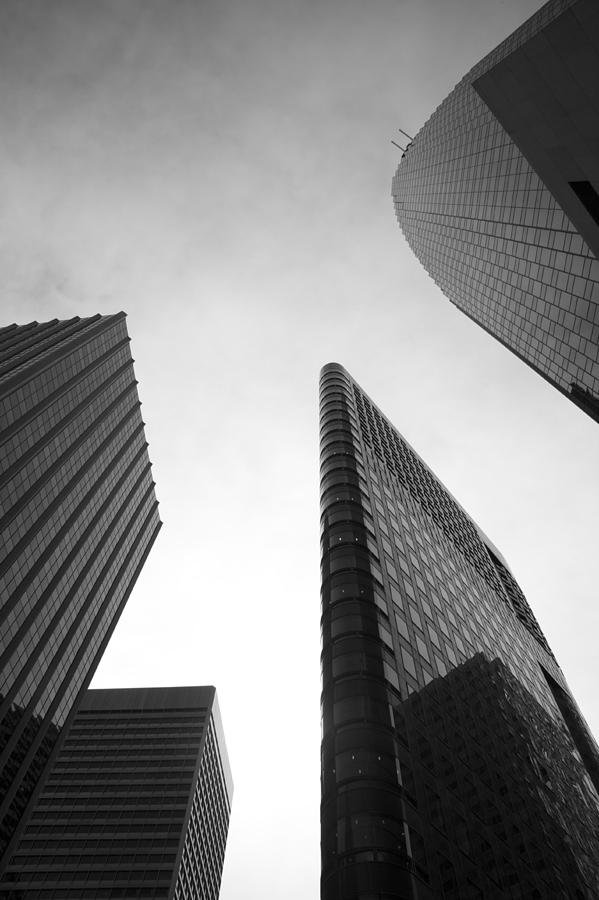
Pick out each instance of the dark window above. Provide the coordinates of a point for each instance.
(583, 398)
(588, 196)
(577, 727)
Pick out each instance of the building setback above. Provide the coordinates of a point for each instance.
(137, 803)
(455, 762)
(498, 196)
(78, 516)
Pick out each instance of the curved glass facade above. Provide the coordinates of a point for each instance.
(454, 760)
(362, 816)
(484, 196)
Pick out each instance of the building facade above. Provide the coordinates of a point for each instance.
(137, 802)
(455, 763)
(78, 516)
(498, 196)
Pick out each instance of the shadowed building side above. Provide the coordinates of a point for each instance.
(455, 762)
(137, 802)
(78, 516)
(365, 818)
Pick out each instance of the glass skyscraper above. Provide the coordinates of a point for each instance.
(498, 196)
(455, 762)
(137, 802)
(78, 516)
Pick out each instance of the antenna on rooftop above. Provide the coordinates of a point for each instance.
(398, 147)
(406, 134)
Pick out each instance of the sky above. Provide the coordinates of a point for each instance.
(222, 172)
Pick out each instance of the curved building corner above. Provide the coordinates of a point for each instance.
(455, 761)
(498, 196)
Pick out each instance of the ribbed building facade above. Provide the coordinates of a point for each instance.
(137, 803)
(78, 516)
(498, 196)
(455, 762)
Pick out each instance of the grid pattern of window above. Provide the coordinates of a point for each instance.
(495, 240)
(136, 804)
(448, 766)
(203, 855)
(78, 516)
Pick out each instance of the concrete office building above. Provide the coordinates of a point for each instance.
(498, 196)
(137, 802)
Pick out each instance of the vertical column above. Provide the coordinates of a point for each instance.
(363, 835)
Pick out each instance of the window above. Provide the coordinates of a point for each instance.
(396, 596)
(408, 661)
(434, 637)
(402, 627)
(588, 196)
(391, 569)
(415, 616)
(422, 648)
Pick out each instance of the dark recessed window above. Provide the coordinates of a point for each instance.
(577, 727)
(583, 398)
(588, 196)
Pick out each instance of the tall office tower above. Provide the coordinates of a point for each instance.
(455, 763)
(78, 516)
(497, 196)
(136, 805)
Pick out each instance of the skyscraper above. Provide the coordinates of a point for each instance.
(455, 763)
(497, 195)
(78, 516)
(136, 805)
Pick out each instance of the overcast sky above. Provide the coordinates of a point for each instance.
(221, 171)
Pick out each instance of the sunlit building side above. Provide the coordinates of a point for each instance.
(498, 196)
